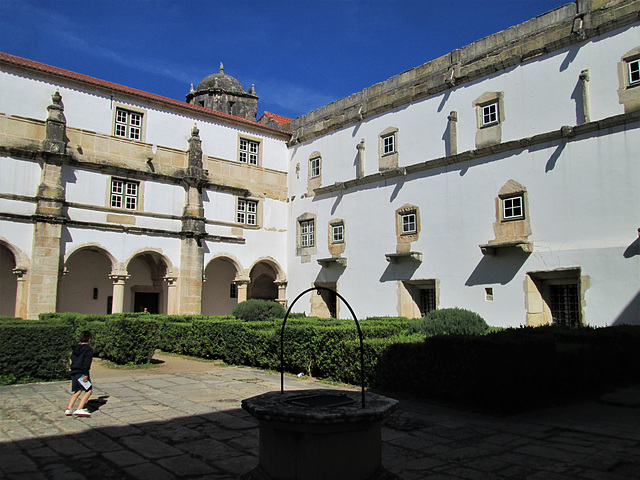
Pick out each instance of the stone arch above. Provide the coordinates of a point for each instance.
(267, 280)
(220, 285)
(94, 246)
(85, 286)
(14, 265)
(147, 274)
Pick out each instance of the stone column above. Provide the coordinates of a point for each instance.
(586, 104)
(360, 165)
(453, 133)
(282, 292)
(193, 231)
(243, 287)
(49, 217)
(22, 292)
(172, 295)
(117, 305)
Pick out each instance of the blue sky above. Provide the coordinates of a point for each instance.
(300, 54)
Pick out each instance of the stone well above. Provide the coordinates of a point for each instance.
(319, 434)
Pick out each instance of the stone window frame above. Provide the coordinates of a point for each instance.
(628, 91)
(409, 236)
(389, 159)
(129, 110)
(258, 212)
(309, 249)
(314, 182)
(139, 196)
(250, 140)
(409, 296)
(489, 133)
(538, 296)
(336, 248)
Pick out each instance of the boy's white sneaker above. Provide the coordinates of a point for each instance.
(82, 412)
(68, 411)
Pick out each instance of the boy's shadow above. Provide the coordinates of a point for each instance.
(95, 403)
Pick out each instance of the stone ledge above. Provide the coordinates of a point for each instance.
(396, 257)
(492, 248)
(327, 262)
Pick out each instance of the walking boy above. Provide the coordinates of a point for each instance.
(81, 358)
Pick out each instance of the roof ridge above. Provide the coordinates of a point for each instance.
(34, 65)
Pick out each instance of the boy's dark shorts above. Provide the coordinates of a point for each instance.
(76, 385)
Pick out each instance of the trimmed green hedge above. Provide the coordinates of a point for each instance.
(514, 368)
(31, 350)
(256, 310)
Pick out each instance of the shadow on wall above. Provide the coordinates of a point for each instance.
(499, 268)
(402, 270)
(631, 314)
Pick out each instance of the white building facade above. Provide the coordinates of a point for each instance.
(501, 178)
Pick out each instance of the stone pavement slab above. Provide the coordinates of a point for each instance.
(182, 420)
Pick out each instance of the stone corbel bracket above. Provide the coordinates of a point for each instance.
(492, 248)
(396, 257)
(327, 262)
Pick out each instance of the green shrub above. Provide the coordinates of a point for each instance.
(255, 310)
(449, 321)
(126, 340)
(34, 350)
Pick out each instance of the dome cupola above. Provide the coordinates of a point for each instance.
(223, 93)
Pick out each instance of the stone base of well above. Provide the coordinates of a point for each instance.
(319, 434)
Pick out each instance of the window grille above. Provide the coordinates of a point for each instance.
(128, 124)
(565, 304)
(490, 114)
(388, 144)
(307, 236)
(247, 211)
(315, 167)
(409, 224)
(427, 300)
(634, 72)
(124, 194)
(512, 208)
(249, 151)
(337, 233)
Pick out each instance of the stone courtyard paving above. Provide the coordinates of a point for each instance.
(182, 420)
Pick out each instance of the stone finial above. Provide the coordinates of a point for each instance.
(221, 68)
(252, 90)
(191, 91)
(194, 131)
(584, 75)
(55, 140)
(195, 152)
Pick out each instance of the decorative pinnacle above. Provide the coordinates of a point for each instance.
(221, 68)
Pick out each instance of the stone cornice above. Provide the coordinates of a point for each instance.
(570, 24)
(566, 132)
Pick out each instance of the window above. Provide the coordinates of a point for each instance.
(314, 167)
(512, 208)
(388, 144)
(634, 71)
(307, 236)
(409, 223)
(248, 152)
(337, 233)
(247, 212)
(124, 194)
(490, 114)
(233, 290)
(128, 124)
(388, 149)
(426, 300)
(565, 304)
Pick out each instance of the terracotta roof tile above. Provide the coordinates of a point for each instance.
(42, 67)
(278, 118)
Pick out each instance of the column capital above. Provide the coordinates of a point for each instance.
(119, 277)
